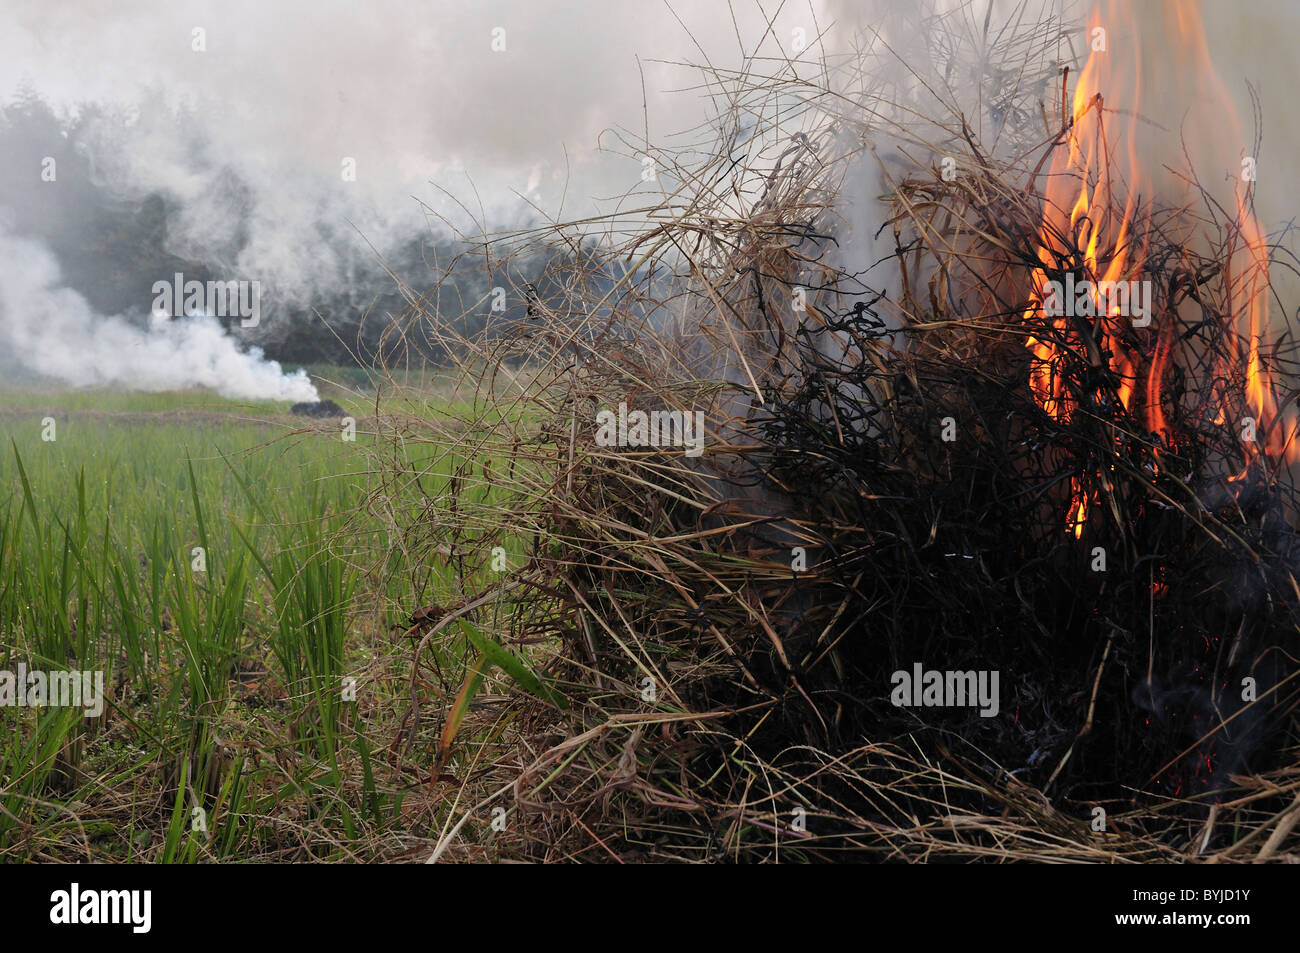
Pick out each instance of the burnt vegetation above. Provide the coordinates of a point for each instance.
(973, 484)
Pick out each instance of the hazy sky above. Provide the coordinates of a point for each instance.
(412, 89)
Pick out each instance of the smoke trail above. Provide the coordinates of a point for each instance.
(50, 330)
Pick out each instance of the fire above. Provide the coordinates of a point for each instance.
(1092, 254)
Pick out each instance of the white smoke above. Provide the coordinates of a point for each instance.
(50, 330)
(295, 143)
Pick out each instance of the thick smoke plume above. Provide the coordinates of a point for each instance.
(49, 330)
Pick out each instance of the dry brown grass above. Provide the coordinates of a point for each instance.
(768, 734)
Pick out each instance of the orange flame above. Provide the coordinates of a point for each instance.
(1247, 258)
(1095, 229)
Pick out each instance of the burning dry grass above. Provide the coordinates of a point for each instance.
(911, 463)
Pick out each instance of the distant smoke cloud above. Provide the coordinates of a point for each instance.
(412, 90)
(253, 140)
(51, 331)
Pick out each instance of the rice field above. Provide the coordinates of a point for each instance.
(225, 568)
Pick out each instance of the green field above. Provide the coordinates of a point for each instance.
(243, 581)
